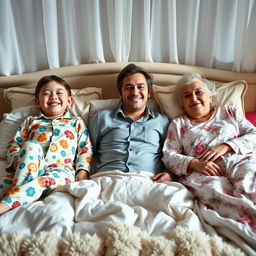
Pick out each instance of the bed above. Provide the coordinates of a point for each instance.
(98, 218)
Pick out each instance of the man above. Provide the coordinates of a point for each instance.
(130, 138)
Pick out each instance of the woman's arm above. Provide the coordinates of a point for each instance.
(245, 142)
(178, 140)
(173, 158)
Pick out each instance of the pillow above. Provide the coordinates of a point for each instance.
(80, 106)
(10, 124)
(19, 97)
(226, 94)
(164, 95)
(251, 116)
(96, 105)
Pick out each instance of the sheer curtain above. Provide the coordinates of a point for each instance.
(41, 34)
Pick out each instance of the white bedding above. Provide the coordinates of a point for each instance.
(92, 206)
(89, 206)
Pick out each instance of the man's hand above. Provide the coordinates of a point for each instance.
(162, 176)
(82, 175)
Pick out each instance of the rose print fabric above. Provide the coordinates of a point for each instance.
(234, 195)
(49, 151)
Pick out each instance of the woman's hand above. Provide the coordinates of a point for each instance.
(162, 176)
(208, 168)
(213, 153)
(82, 175)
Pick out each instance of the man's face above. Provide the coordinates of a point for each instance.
(134, 93)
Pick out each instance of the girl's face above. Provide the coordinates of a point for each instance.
(196, 100)
(53, 99)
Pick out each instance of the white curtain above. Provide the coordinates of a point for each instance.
(41, 34)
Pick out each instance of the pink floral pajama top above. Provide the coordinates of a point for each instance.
(186, 140)
(233, 195)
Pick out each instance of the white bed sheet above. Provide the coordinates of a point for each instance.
(89, 206)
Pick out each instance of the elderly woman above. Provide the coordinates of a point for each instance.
(213, 149)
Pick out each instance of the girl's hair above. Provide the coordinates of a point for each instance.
(188, 79)
(46, 79)
(132, 69)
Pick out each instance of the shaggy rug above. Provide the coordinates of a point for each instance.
(119, 240)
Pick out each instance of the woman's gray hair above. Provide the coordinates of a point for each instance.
(188, 79)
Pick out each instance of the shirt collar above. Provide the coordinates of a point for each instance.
(119, 112)
(67, 115)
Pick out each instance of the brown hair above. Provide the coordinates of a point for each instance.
(132, 69)
(46, 79)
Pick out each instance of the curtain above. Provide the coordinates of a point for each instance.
(42, 34)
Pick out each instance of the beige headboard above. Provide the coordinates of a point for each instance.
(104, 75)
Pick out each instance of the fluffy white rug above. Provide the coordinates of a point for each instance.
(119, 240)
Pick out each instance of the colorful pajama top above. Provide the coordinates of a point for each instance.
(186, 140)
(65, 141)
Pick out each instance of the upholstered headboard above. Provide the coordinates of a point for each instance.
(103, 75)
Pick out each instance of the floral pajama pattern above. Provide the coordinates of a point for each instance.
(232, 195)
(49, 152)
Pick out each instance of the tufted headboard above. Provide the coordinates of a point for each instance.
(104, 75)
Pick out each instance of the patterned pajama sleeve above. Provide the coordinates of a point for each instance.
(246, 141)
(84, 147)
(21, 136)
(173, 156)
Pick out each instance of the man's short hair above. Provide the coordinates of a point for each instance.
(132, 69)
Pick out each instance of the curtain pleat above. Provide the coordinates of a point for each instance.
(42, 34)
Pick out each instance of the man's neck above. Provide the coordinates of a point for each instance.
(135, 115)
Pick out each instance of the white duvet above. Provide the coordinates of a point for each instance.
(89, 206)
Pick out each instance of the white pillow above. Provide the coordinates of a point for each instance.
(80, 106)
(97, 105)
(10, 124)
(227, 94)
(20, 96)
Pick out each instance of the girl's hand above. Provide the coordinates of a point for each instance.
(14, 165)
(82, 175)
(208, 168)
(15, 162)
(162, 176)
(213, 153)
